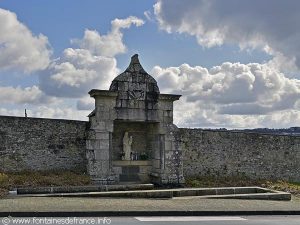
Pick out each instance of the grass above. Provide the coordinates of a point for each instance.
(68, 178)
(280, 185)
(39, 179)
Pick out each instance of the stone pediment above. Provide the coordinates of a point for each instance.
(135, 96)
(134, 85)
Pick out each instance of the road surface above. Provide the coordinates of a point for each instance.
(189, 220)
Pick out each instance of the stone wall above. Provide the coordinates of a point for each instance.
(41, 144)
(51, 144)
(227, 153)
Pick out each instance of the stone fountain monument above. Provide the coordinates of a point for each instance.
(132, 137)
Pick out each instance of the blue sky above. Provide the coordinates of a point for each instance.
(235, 64)
(61, 21)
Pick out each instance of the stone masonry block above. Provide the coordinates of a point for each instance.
(105, 167)
(102, 154)
(160, 114)
(168, 145)
(165, 105)
(153, 115)
(99, 104)
(162, 129)
(104, 144)
(102, 135)
(145, 169)
(99, 144)
(156, 164)
(109, 126)
(156, 153)
(99, 169)
(117, 170)
(112, 115)
(100, 125)
(104, 115)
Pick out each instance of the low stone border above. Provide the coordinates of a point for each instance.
(226, 192)
(76, 189)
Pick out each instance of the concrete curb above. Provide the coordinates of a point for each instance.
(145, 213)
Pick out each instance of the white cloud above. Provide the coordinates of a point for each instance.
(271, 26)
(76, 73)
(12, 112)
(230, 95)
(58, 112)
(20, 49)
(110, 44)
(92, 65)
(29, 95)
(86, 103)
(55, 112)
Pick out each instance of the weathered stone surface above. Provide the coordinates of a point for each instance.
(47, 144)
(135, 84)
(137, 92)
(41, 144)
(225, 153)
(102, 154)
(135, 106)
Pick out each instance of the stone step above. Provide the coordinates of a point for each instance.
(226, 192)
(82, 189)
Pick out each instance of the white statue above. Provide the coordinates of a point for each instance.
(127, 142)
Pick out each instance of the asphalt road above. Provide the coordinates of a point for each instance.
(199, 220)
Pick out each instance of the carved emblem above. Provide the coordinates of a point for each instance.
(136, 95)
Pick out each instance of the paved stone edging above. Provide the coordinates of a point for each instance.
(90, 188)
(225, 192)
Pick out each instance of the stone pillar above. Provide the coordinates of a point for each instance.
(98, 155)
(99, 141)
(172, 172)
(171, 167)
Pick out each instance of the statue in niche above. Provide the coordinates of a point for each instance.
(127, 142)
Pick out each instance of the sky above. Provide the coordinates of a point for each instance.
(235, 62)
